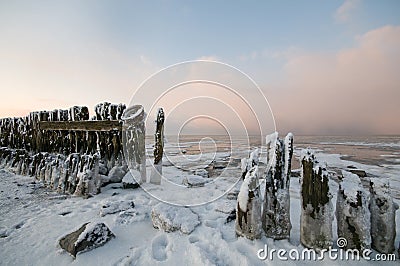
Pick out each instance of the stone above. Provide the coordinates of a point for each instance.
(115, 207)
(201, 172)
(172, 218)
(116, 174)
(231, 217)
(359, 172)
(232, 195)
(194, 181)
(129, 182)
(87, 237)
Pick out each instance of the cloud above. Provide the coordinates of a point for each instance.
(344, 12)
(354, 90)
(209, 58)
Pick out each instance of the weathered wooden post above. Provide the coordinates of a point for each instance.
(156, 171)
(383, 214)
(276, 210)
(134, 140)
(317, 210)
(352, 214)
(248, 209)
(248, 163)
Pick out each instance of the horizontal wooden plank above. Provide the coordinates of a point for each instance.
(88, 125)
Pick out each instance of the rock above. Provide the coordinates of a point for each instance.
(115, 207)
(171, 218)
(231, 217)
(359, 172)
(103, 169)
(129, 182)
(116, 174)
(194, 181)
(201, 172)
(317, 210)
(232, 195)
(87, 237)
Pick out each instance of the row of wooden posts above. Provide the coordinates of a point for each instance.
(72, 154)
(364, 220)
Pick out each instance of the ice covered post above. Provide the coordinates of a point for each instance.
(383, 213)
(156, 171)
(276, 210)
(248, 209)
(134, 138)
(352, 213)
(317, 210)
(248, 163)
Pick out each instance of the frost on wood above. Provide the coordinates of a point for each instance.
(156, 173)
(171, 218)
(248, 209)
(276, 209)
(87, 237)
(89, 181)
(134, 138)
(383, 213)
(317, 210)
(247, 163)
(352, 213)
(109, 111)
(69, 161)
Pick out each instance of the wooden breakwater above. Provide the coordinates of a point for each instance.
(66, 149)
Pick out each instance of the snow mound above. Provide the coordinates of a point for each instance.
(225, 206)
(115, 207)
(171, 218)
(194, 181)
(128, 181)
(351, 184)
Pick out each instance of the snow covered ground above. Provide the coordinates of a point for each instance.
(34, 218)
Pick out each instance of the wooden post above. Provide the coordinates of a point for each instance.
(133, 135)
(316, 212)
(156, 171)
(276, 210)
(352, 214)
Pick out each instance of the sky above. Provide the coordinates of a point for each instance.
(325, 67)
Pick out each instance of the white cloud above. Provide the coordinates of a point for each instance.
(354, 90)
(344, 12)
(209, 58)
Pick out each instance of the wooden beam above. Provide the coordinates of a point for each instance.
(87, 125)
